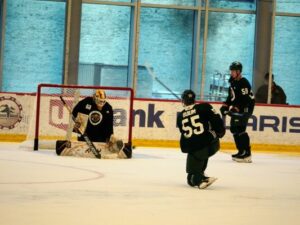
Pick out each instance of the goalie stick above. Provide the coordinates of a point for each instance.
(92, 147)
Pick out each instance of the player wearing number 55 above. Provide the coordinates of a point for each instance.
(200, 127)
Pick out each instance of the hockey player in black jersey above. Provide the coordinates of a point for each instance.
(99, 115)
(93, 117)
(200, 127)
(239, 105)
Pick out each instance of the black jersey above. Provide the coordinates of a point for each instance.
(199, 125)
(240, 95)
(100, 122)
(278, 95)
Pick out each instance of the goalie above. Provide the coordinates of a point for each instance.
(93, 117)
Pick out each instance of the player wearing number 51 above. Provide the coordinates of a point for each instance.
(239, 106)
(200, 127)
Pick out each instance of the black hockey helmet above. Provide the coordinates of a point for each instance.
(236, 66)
(188, 97)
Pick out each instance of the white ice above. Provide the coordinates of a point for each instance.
(40, 188)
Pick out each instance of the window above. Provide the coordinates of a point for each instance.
(165, 43)
(233, 4)
(104, 45)
(34, 42)
(172, 2)
(230, 38)
(286, 58)
(115, 1)
(290, 6)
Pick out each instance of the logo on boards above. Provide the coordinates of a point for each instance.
(10, 112)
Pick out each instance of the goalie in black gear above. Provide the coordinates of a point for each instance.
(99, 113)
(94, 119)
(200, 127)
(239, 105)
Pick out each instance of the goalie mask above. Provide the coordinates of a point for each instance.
(100, 97)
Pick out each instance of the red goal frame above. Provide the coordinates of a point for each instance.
(38, 104)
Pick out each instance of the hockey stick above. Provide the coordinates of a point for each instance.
(151, 73)
(85, 137)
(236, 114)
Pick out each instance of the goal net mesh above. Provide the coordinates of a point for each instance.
(52, 120)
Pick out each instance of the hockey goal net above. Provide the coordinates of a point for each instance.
(52, 120)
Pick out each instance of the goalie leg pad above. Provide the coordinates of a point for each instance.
(78, 149)
(126, 152)
(115, 147)
(61, 145)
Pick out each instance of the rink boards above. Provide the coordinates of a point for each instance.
(154, 123)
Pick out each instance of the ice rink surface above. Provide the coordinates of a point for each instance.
(40, 188)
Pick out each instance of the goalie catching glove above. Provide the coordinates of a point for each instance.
(224, 109)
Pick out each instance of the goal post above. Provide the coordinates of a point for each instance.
(52, 119)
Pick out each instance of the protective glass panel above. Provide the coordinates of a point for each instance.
(174, 2)
(230, 38)
(114, 1)
(34, 43)
(166, 47)
(291, 6)
(233, 4)
(286, 58)
(104, 45)
(1, 15)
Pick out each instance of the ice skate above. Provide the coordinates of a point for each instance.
(244, 158)
(235, 155)
(207, 182)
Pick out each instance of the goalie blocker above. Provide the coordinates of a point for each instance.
(114, 149)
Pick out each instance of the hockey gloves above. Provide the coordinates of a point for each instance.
(224, 109)
(234, 109)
